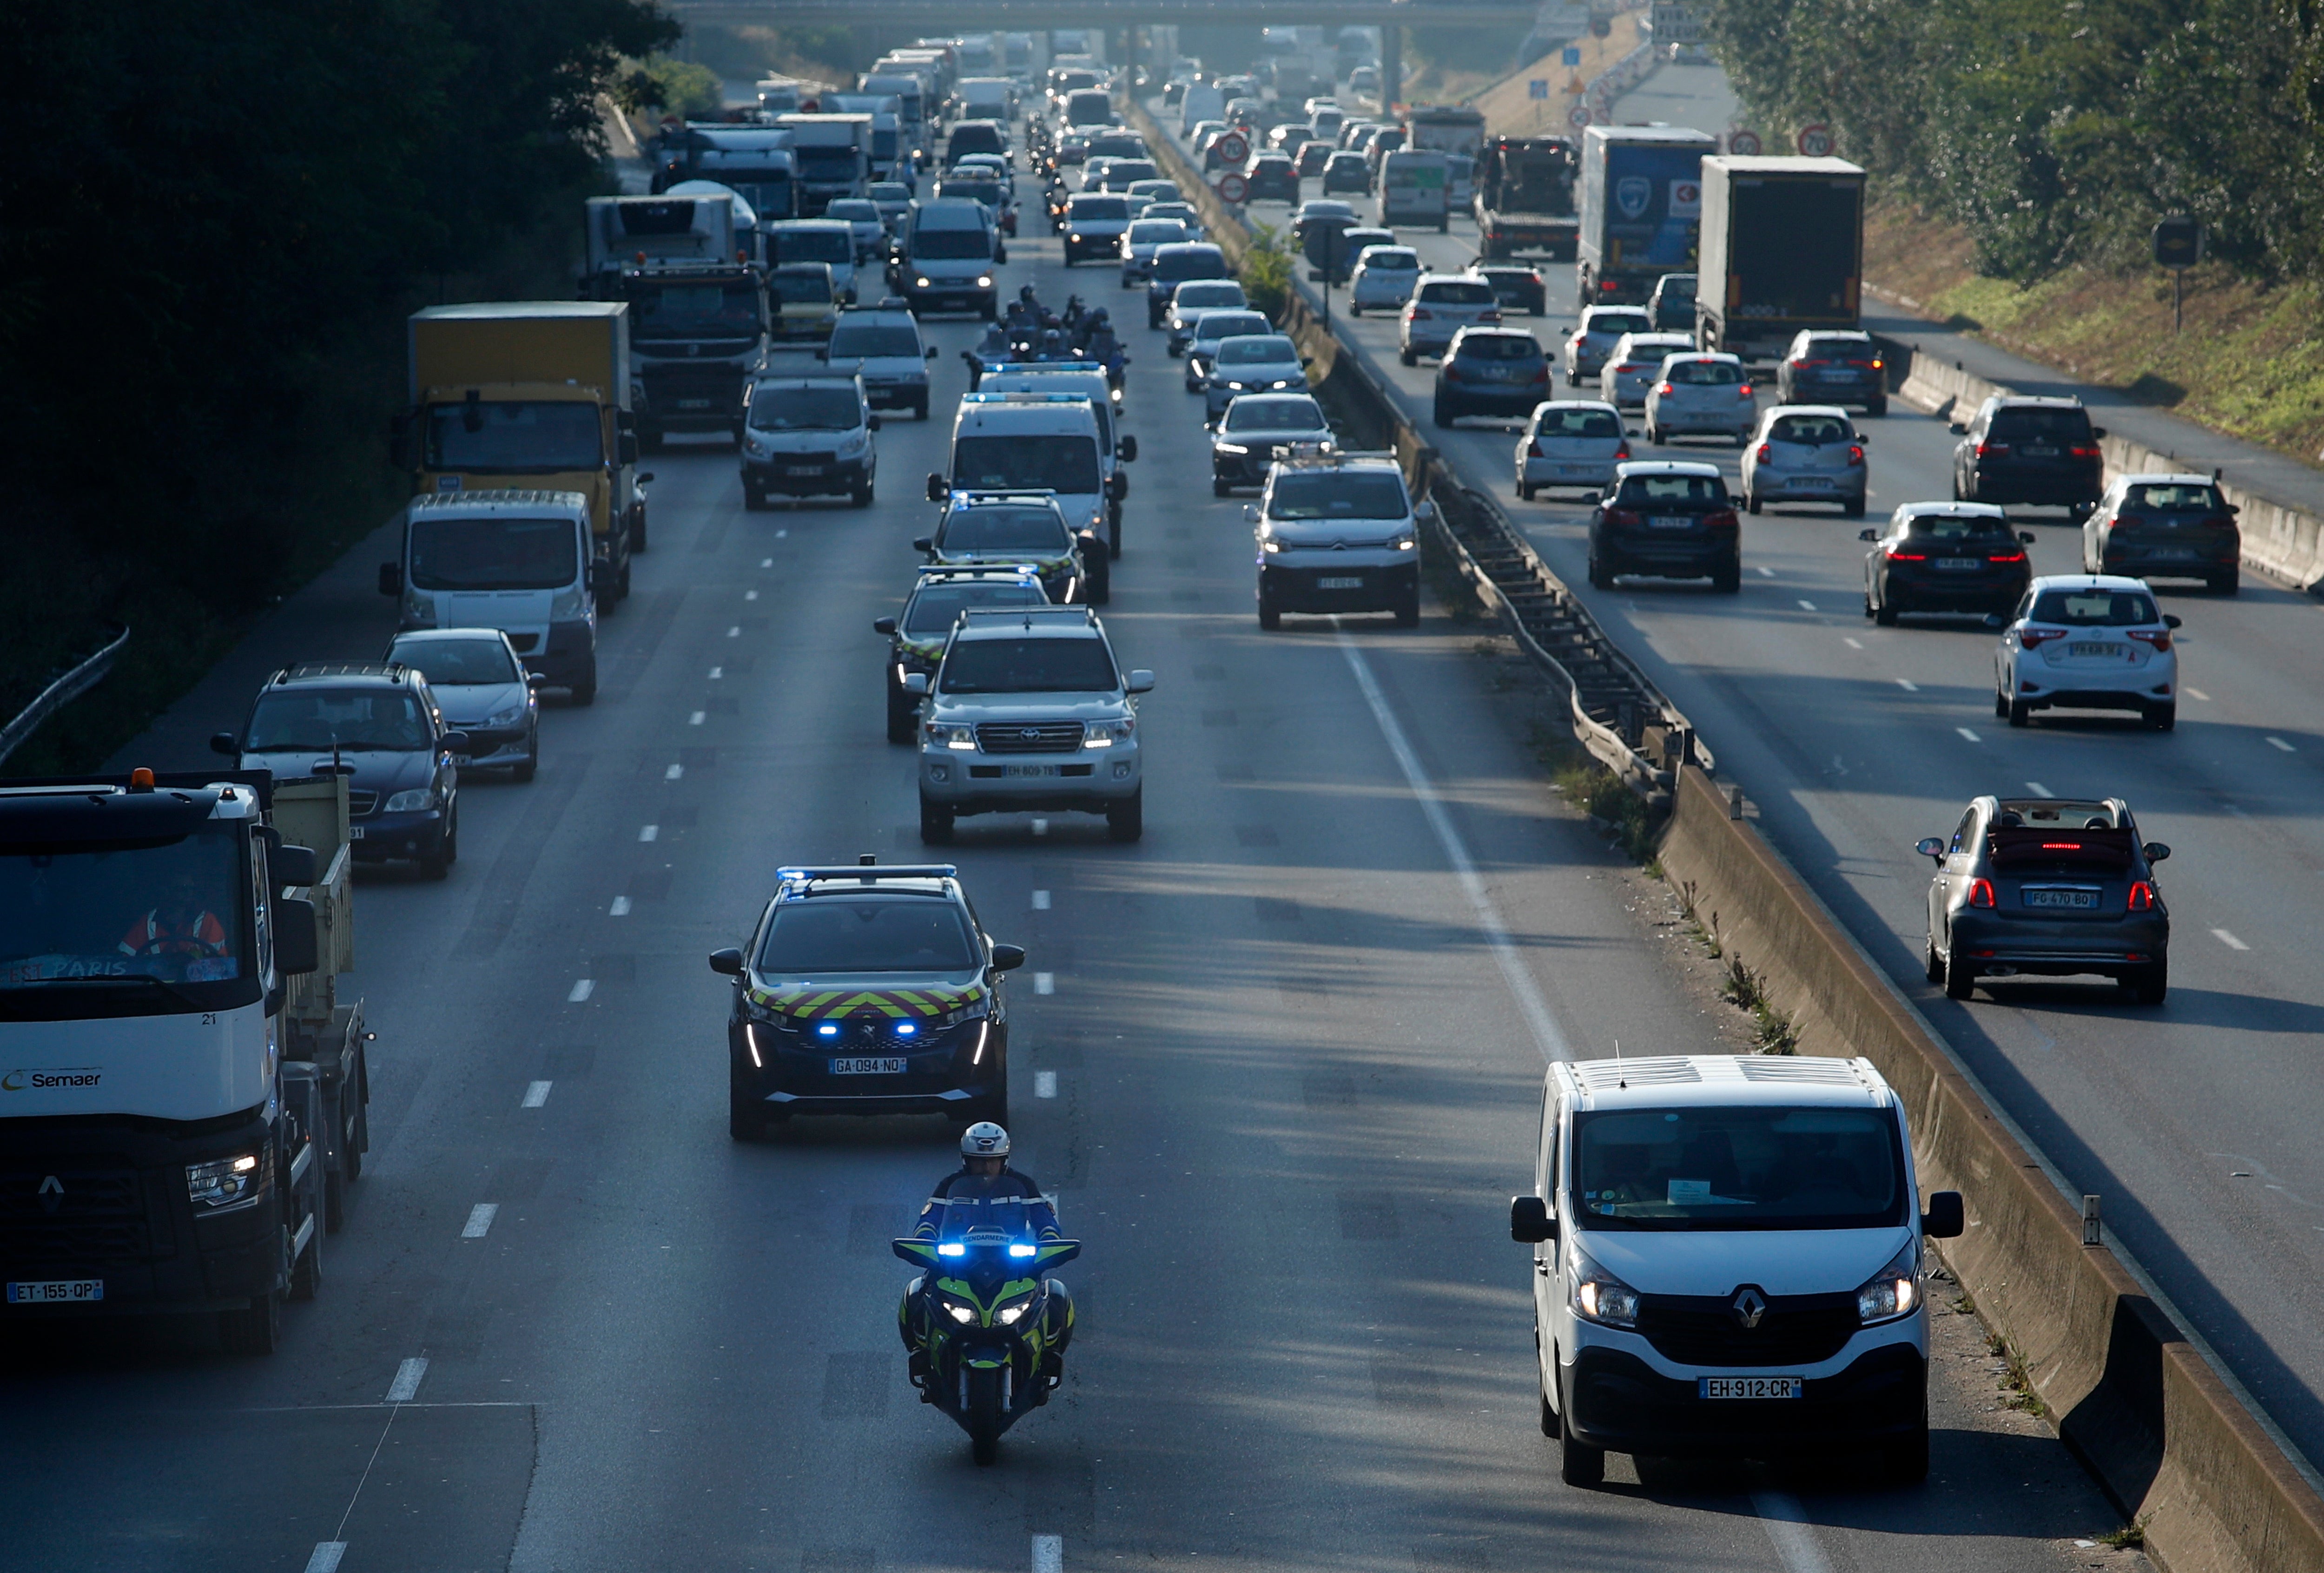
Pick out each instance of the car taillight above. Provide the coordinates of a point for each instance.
(2030, 636)
(1985, 450)
(1606, 286)
(1628, 369)
(1489, 315)
(1803, 365)
(1879, 364)
(1540, 373)
(1723, 519)
(2006, 557)
(2085, 451)
(1980, 893)
(2160, 637)
(1855, 455)
(2129, 522)
(1622, 449)
(1766, 452)
(1665, 389)
(2141, 897)
(1452, 373)
(1744, 391)
(1415, 314)
(1897, 556)
(1532, 450)
(1621, 516)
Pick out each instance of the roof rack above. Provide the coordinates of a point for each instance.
(1072, 612)
(1005, 494)
(865, 873)
(392, 670)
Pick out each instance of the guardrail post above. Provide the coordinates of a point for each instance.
(1735, 803)
(2090, 1225)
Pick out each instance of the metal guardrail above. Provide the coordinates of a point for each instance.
(60, 694)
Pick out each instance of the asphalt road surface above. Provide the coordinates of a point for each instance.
(1280, 1062)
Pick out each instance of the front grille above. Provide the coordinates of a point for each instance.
(825, 460)
(100, 1215)
(1795, 1329)
(360, 802)
(1047, 737)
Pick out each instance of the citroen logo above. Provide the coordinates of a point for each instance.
(51, 1193)
(1750, 1305)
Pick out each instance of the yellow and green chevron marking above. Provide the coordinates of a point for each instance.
(834, 1003)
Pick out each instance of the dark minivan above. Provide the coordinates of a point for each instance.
(1668, 518)
(2043, 452)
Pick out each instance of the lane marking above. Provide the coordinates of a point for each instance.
(1968, 734)
(1547, 1034)
(716, 673)
(2039, 790)
(647, 833)
(780, 535)
(1045, 1083)
(620, 907)
(1851, 644)
(1041, 901)
(735, 633)
(750, 595)
(582, 989)
(2229, 940)
(2280, 743)
(536, 1095)
(1041, 827)
(695, 718)
(480, 1220)
(2198, 695)
(1767, 573)
(1908, 685)
(1786, 1522)
(1807, 606)
(325, 1558)
(768, 562)
(673, 773)
(406, 1386)
(1049, 1554)
(1044, 982)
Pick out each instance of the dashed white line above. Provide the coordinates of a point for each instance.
(673, 773)
(1851, 644)
(1765, 573)
(1041, 901)
(1786, 1524)
(326, 1556)
(1908, 685)
(2198, 695)
(750, 595)
(1044, 982)
(735, 633)
(647, 833)
(780, 535)
(1041, 827)
(582, 989)
(770, 562)
(2228, 940)
(2039, 790)
(1049, 1554)
(480, 1220)
(536, 1095)
(1045, 1083)
(406, 1386)
(1968, 734)
(697, 718)
(2277, 743)
(716, 673)
(1807, 606)
(620, 908)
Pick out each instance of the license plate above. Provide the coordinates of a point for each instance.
(1955, 565)
(2040, 451)
(2105, 651)
(1811, 481)
(867, 1067)
(1030, 771)
(1577, 469)
(57, 1292)
(2078, 898)
(1670, 521)
(693, 404)
(2171, 553)
(1341, 583)
(355, 833)
(1747, 1387)
(802, 469)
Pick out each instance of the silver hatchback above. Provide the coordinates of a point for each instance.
(1806, 453)
(1570, 441)
(1635, 360)
(1441, 305)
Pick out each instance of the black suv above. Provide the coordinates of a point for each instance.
(867, 990)
(1174, 264)
(1272, 178)
(379, 725)
(1490, 371)
(1671, 519)
(2039, 451)
(917, 635)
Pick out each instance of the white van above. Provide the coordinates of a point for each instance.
(1087, 379)
(1727, 1262)
(815, 240)
(946, 257)
(1033, 442)
(1202, 102)
(515, 560)
(1415, 188)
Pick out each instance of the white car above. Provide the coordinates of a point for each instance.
(1156, 190)
(1805, 452)
(1570, 441)
(1632, 365)
(2087, 641)
(1594, 339)
(1383, 278)
(1184, 212)
(1138, 243)
(1441, 305)
(1203, 343)
(1702, 395)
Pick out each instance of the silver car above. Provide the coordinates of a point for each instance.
(1383, 279)
(1570, 441)
(1441, 305)
(1203, 343)
(1138, 246)
(861, 216)
(1594, 339)
(1191, 301)
(1702, 395)
(1805, 452)
(1256, 363)
(1636, 361)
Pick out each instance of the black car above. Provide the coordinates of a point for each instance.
(2039, 451)
(1172, 266)
(1346, 172)
(1945, 557)
(1671, 305)
(867, 990)
(1313, 157)
(1667, 519)
(1517, 287)
(1490, 371)
(1830, 368)
(1272, 178)
(2166, 525)
(2046, 886)
(999, 529)
(916, 636)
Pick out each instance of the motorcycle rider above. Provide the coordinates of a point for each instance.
(1104, 347)
(984, 1176)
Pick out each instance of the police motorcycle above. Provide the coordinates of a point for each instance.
(990, 1328)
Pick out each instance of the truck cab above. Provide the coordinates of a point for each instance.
(696, 331)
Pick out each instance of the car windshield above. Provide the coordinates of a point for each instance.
(1672, 491)
(1702, 373)
(1499, 347)
(495, 554)
(854, 209)
(833, 407)
(1039, 532)
(936, 608)
(888, 191)
(1677, 287)
(1224, 294)
(2094, 608)
(1748, 1168)
(1618, 322)
(835, 245)
(850, 340)
(950, 246)
(1263, 413)
(1651, 350)
(1836, 349)
(1337, 494)
(458, 661)
(1157, 232)
(1255, 351)
(1467, 292)
(1028, 666)
(1096, 210)
(1225, 325)
(694, 310)
(174, 910)
(2040, 425)
(315, 720)
(1809, 428)
(515, 437)
(1389, 260)
(1057, 462)
(1599, 423)
(893, 933)
(2173, 499)
(975, 187)
(800, 286)
(1943, 527)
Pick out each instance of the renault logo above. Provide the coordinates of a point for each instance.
(51, 1193)
(1750, 1305)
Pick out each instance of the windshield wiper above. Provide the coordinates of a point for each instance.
(172, 989)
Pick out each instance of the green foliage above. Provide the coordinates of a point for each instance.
(678, 88)
(1478, 48)
(2058, 131)
(1265, 270)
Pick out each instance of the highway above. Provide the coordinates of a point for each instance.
(2195, 1122)
(1280, 1062)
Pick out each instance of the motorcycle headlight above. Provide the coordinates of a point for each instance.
(1600, 1297)
(1105, 734)
(959, 1313)
(1010, 1314)
(223, 1183)
(412, 800)
(1893, 1291)
(946, 735)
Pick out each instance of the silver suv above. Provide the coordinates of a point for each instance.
(1338, 532)
(1029, 711)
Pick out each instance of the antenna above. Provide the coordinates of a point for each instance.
(1621, 1080)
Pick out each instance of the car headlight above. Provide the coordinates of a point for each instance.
(985, 280)
(1235, 449)
(1403, 543)
(1284, 383)
(920, 283)
(223, 1183)
(752, 445)
(1073, 237)
(508, 717)
(1893, 1291)
(1105, 734)
(1600, 1297)
(1270, 545)
(412, 800)
(854, 443)
(947, 734)
(569, 604)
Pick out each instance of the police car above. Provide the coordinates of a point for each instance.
(867, 990)
(1038, 442)
(1022, 527)
(917, 635)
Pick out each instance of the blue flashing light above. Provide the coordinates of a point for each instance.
(904, 1029)
(829, 1029)
(951, 1248)
(1022, 1251)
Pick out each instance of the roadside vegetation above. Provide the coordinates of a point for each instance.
(219, 217)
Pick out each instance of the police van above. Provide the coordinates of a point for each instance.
(1086, 379)
(1035, 442)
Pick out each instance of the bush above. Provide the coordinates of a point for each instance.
(1267, 272)
(677, 87)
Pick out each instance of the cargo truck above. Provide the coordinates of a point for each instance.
(1641, 203)
(1782, 250)
(628, 232)
(1444, 128)
(834, 152)
(1524, 198)
(536, 395)
(184, 1102)
(754, 162)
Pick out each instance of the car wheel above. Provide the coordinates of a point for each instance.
(255, 1330)
(1525, 491)
(1442, 418)
(1125, 821)
(903, 711)
(1654, 434)
(1599, 578)
(936, 824)
(2226, 583)
(1408, 356)
(1220, 488)
(1885, 614)
(1407, 608)
(1961, 977)
(1270, 615)
(638, 518)
(1354, 309)
(1905, 1460)
(1877, 409)
(2152, 983)
(862, 499)
(1932, 960)
(1753, 502)
(2162, 717)
(920, 408)
(746, 1113)
(2000, 705)
(753, 498)
(1578, 1463)
(434, 865)
(529, 766)
(1854, 509)
(2020, 712)
(1727, 579)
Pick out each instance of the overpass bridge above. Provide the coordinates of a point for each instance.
(1008, 14)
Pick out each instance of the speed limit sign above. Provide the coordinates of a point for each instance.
(1815, 141)
(1232, 188)
(1232, 148)
(1743, 144)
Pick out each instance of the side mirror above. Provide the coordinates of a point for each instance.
(227, 743)
(1425, 512)
(886, 625)
(296, 951)
(2171, 621)
(646, 478)
(1945, 1218)
(1529, 1220)
(1008, 957)
(871, 423)
(1127, 450)
(930, 354)
(2156, 851)
(1140, 681)
(453, 742)
(916, 682)
(536, 680)
(1994, 620)
(728, 961)
(390, 578)
(2098, 434)
(625, 447)
(937, 490)
(1956, 428)
(1116, 486)
(2234, 509)
(1870, 535)
(924, 543)
(2026, 538)
(1930, 847)
(292, 865)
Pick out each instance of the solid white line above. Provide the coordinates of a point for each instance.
(1546, 1032)
(2199, 696)
(479, 1218)
(2229, 940)
(535, 1094)
(620, 907)
(1908, 685)
(582, 989)
(1786, 1524)
(2039, 790)
(1049, 1554)
(1041, 901)
(1851, 644)
(716, 673)
(673, 773)
(695, 718)
(326, 1556)
(1044, 982)
(647, 833)
(406, 1386)
(1807, 606)
(1041, 827)
(735, 633)
(1045, 1083)
(1767, 573)
(1968, 734)
(2279, 742)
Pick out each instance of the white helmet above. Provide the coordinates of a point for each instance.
(984, 1139)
